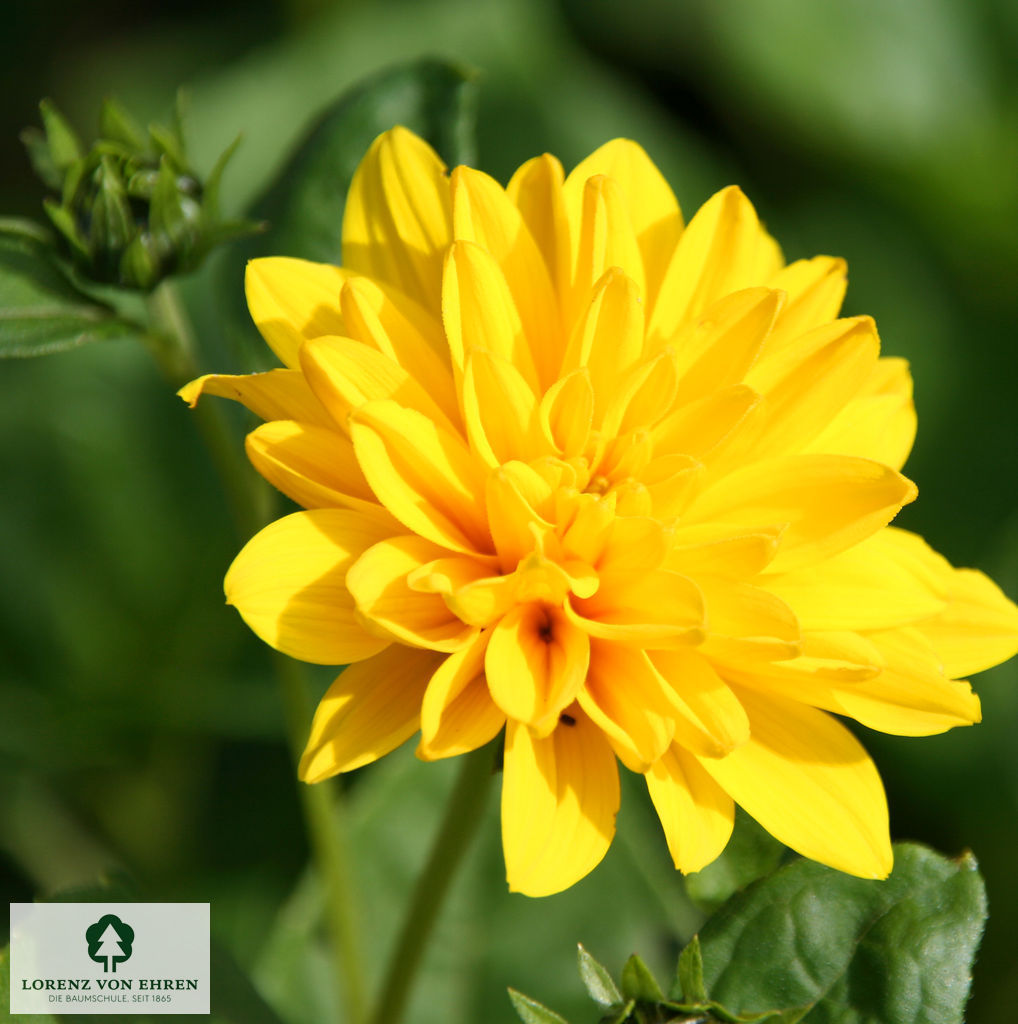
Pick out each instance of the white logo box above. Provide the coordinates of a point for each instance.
(104, 958)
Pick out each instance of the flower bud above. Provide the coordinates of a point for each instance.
(130, 210)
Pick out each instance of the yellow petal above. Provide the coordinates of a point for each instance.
(605, 240)
(829, 503)
(658, 609)
(457, 713)
(644, 397)
(635, 543)
(560, 796)
(649, 202)
(500, 410)
(629, 702)
(746, 619)
(345, 374)
(911, 696)
(292, 300)
(567, 413)
(513, 494)
(808, 781)
(536, 189)
(608, 337)
(831, 658)
(370, 709)
(717, 348)
(699, 427)
(275, 395)
(874, 585)
(809, 382)
(479, 311)
(979, 627)
(406, 332)
(815, 290)
(378, 583)
(313, 466)
(879, 423)
(289, 585)
(722, 250)
(398, 218)
(485, 215)
(709, 718)
(423, 474)
(697, 815)
(722, 550)
(536, 663)
(672, 482)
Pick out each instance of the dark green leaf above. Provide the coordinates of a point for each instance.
(304, 207)
(530, 1011)
(638, 983)
(750, 854)
(828, 948)
(597, 979)
(689, 975)
(41, 311)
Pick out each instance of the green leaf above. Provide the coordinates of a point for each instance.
(689, 974)
(304, 207)
(597, 979)
(823, 947)
(5, 996)
(530, 1011)
(751, 853)
(41, 311)
(638, 983)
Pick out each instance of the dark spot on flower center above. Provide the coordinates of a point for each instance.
(566, 719)
(545, 631)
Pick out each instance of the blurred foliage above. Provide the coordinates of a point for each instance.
(140, 728)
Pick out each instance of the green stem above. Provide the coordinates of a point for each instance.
(462, 816)
(324, 816)
(171, 341)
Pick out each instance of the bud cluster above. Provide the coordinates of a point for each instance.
(130, 210)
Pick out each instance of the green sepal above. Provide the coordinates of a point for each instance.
(530, 1011)
(168, 144)
(140, 262)
(112, 225)
(619, 1014)
(174, 218)
(596, 979)
(213, 182)
(36, 145)
(639, 983)
(64, 145)
(688, 985)
(63, 220)
(116, 123)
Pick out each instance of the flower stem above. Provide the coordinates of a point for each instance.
(462, 815)
(171, 342)
(324, 816)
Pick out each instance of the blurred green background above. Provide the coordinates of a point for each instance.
(140, 725)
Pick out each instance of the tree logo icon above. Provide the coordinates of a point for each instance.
(109, 942)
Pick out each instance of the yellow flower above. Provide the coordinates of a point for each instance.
(617, 485)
